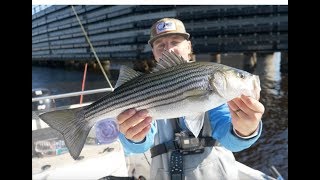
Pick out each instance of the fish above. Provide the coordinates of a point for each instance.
(174, 88)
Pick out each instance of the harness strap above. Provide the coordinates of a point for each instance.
(163, 148)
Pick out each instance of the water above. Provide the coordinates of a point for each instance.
(270, 149)
(66, 80)
(272, 146)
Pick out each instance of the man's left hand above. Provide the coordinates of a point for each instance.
(246, 113)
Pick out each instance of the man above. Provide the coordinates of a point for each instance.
(235, 126)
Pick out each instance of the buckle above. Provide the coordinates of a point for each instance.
(193, 151)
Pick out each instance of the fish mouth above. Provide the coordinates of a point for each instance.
(256, 87)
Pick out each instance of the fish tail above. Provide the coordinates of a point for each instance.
(71, 123)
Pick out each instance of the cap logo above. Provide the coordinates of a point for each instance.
(165, 26)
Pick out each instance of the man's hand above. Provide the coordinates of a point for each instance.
(135, 125)
(246, 113)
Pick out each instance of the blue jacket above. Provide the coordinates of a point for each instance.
(222, 130)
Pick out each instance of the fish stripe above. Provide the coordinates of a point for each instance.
(138, 92)
(140, 85)
(144, 89)
(175, 82)
(155, 99)
(137, 86)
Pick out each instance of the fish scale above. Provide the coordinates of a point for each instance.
(146, 92)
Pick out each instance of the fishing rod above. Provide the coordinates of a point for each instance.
(91, 46)
(276, 173)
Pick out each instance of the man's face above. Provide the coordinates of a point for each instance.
(175, 43)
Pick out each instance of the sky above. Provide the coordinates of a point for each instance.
(37, 8)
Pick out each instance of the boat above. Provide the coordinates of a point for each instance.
(50, 157)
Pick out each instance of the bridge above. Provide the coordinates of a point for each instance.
(121, 32)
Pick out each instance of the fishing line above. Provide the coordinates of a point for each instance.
(91, 46)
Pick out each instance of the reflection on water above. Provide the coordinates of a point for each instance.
(270, 149)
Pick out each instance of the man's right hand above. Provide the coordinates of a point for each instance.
(135, 125)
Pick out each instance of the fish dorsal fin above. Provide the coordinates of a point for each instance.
(126, 74)
(168, 59)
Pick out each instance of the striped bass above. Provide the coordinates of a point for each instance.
(174, 89)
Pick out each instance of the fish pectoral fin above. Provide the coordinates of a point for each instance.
(196, 96)
(195, 93)
(195, 122)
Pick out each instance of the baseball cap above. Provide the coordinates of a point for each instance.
(167, 26)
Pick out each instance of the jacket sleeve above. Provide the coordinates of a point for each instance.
(131, 147)
(222, 130)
